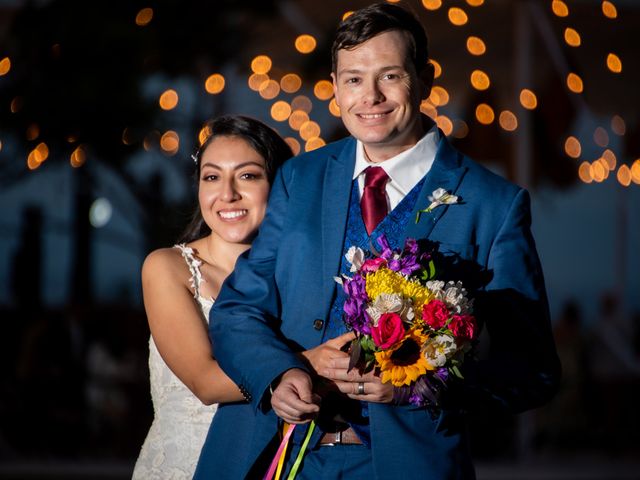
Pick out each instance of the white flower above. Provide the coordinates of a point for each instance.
(437, 350)
(385, 303)
(455, 296)
(355, 256)
(441, 197)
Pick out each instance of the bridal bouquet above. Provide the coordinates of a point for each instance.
(413, 329)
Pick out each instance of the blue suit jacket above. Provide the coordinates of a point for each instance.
(267, 309)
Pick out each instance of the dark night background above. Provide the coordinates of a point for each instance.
(84, 77)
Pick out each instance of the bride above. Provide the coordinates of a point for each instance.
(235, 167)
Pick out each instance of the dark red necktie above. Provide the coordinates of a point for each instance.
(374, 199)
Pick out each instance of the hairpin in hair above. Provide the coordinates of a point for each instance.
(195, 158)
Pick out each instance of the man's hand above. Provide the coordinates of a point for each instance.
(293, 399)
(372, 390)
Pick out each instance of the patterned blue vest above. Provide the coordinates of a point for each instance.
(392, 226)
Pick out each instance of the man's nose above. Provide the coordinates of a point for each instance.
(372, 92)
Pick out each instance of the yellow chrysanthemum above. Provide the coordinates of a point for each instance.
(404, 363)
(387, 281)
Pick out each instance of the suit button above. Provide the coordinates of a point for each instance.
(318, 324)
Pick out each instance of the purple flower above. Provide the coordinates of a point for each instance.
(387, 252)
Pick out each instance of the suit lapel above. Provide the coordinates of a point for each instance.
(336, 193)
(446, 173)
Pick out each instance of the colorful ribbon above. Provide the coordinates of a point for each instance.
(278, 461)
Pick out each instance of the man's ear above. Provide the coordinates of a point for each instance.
(426, 76)
(334, 80)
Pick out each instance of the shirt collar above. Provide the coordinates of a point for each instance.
(406, 168)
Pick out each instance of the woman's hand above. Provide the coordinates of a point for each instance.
(322, 356)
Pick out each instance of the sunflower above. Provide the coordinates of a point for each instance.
(404, 363)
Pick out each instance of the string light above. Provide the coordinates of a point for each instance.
(214, 84)
(144, 17)
(614, 63)
(485, 114)
(5, 66)
(508, 121)
(168, 99)
(458, 16)
(305, 44)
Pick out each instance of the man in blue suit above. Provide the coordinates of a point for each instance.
(282, 299)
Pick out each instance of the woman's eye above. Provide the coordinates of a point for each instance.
(209, 178)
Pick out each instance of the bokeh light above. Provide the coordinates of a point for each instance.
(256, 80)
(559, 8)
(78, 157)
(457, 16)
(203, 134)
(170, 142)
(294, 144)
(33, 132)
(618, 125)
(635, 172)
(437, 68)
(290, 83)
(269, 89)
(5, 66)
(599, 171)
(445, 124)
(313, 143)
(614, 63)
(309, 129)
(168, 99)
(584, 172)
(345, 15)
(323, 90)
(572, 147)
(508, 121)
(427, 108)
(16, 104)
(601, 137)
(609, 9)
(305, 43)
(144, 17)
(334, 108)
(214, 84)
(432, 4)
(302, 102)
(475, 3)
(610, 160)
(439, 96)
(624, 175)
(261, 64)
(572, 37)
(485, 114)
(475, 46)
(574, 83)
(297, 119)
(100, 212)
(480, 80)
(460, 129)
(280, 111)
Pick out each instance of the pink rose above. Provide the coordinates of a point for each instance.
(373, 264)
(389, 331)
(435, 314)
(463, 326)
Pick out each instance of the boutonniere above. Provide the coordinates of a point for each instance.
(439, 197)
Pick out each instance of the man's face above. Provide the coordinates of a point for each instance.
(379, 93)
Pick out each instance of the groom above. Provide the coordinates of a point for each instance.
(282, 298)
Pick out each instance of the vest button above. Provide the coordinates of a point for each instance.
(318, 324)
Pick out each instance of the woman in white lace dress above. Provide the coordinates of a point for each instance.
(235, 167)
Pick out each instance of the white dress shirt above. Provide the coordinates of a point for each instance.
(405, 170)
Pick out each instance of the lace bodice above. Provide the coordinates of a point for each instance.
(181, 421)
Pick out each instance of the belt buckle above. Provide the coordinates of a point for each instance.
(337, 440)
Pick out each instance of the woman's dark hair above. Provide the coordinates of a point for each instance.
(366, 23)
(260, 137)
